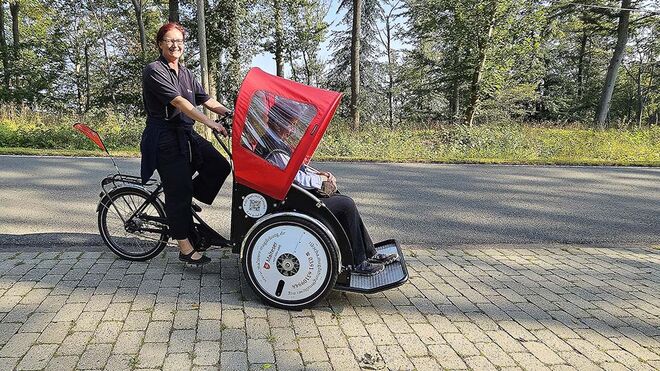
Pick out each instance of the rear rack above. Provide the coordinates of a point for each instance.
(114, 181)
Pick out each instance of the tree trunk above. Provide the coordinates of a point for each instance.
(203, 56)
(279, 38)
(454, 103)
(390, 73)
(615, 62)
(355, 64)
(86, 77)
(294, 73)
(137, 4)
(475, 86)
(174, 11)
(580, 73)
(3, 48)
(111, 83)
(13, 9)
(307, 72)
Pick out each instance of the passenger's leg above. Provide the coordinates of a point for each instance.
(212, 173)
(344, 209)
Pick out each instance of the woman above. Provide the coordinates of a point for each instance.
(282, 119)
(171, 146)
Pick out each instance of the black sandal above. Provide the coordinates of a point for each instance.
(188, 258)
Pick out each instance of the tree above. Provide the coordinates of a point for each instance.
(4, 50)
(355, 63)
(137, 5)
(173, 14)
(615, 62)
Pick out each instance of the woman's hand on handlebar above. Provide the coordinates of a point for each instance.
(217, 127)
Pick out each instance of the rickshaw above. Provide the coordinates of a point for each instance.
(292, 249)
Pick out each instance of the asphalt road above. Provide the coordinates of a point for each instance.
(51, 201)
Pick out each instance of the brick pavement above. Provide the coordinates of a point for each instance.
(559, 308)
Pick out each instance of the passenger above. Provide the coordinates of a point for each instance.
(282, 121)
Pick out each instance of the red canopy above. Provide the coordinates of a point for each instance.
(309, 108)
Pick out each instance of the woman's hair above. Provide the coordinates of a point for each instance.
(169, 27)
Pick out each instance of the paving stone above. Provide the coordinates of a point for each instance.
(136, 321)
(446, 356)
(394, 357)
(589, 350)
(288, 360)
(37, 357)
(158, 332)
(312, 350)
(233, 361)
(8, 364)
(107, 332)
(380, 334)
(181, 341)
(18, 345)
(69, 312)
(342, 359)
(75, 343)
(233, 318)
(352, 326)
(60, 363)
(543, 353)
(177, 362)
(185, 319)
(257, 328)
(206, 353)
(152, 355)
(128, 342)
(305, 327)
(233, 339)
(260, 351)
(461, 344)
(121, 362)
(479, 363)
(7, 330)
(283, 338)
(210, 310)
(55, 332)
(528, 361)
(94, 357)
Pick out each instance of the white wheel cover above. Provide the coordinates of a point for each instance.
(308, 252)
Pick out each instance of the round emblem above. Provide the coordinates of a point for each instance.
(254, 205)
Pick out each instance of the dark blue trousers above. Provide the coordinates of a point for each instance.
(176, 168)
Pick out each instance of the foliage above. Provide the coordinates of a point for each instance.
(537, 60)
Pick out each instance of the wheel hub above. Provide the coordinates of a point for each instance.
(288, 264)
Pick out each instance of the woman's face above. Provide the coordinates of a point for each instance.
(171, 45)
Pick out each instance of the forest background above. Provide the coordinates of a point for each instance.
(535, 81)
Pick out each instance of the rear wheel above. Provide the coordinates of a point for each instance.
(290, 261)
(139, 238)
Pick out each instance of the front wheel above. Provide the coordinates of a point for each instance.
(132, 228)
(290, 261)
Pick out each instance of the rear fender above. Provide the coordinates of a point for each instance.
(105, 197)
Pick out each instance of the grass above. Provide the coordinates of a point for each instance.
(23, 132)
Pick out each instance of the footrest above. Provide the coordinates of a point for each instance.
(395, 274)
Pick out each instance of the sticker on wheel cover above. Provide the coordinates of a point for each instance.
(254, 205)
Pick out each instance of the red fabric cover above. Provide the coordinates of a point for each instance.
(91, 134)
(253, 171)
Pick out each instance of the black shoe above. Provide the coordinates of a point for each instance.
(368, 269)
(384, 259)
(189, 259)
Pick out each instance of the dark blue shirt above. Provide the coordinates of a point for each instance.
(160, 85)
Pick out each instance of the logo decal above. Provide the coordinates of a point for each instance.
(254, 205)
(266, 265)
